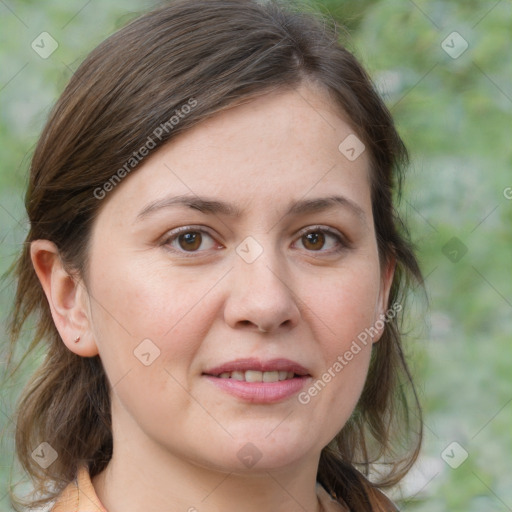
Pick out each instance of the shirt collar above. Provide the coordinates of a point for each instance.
(80, 496)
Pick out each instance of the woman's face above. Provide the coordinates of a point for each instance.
(228, 274)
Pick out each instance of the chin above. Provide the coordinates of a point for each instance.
(265, 450)
(251, 459)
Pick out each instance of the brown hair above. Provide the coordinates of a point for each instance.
(217, 53)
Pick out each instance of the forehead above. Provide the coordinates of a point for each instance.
(275, 148)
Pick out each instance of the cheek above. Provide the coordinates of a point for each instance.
(140, 308)
(342, 305)
(149, 329)
(341, 311)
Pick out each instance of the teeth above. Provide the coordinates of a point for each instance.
(257, 376)
(253, 376)
(270, 376)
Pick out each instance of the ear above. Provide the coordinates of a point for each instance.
(67, 297)
(383, 310)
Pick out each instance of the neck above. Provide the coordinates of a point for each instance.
(142, 475)
(126, 485)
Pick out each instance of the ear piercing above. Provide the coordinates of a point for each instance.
(77, 339)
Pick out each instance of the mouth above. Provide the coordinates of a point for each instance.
(257, 376)
(256, 370)
(256, 381)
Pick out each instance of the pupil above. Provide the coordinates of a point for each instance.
(314, 241)
(190, 241)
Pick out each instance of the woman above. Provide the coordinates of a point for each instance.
(216, 264)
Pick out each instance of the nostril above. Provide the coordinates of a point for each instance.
(245, 323)
(248, 324)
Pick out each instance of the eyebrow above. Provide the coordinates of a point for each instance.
(202, 204)
(214, 207)
(326, 203)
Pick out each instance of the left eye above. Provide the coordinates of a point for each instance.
(191, 240)
(320, 240)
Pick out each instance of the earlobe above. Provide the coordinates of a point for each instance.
(67, 297)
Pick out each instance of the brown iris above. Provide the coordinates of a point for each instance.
(313, 241)
(190, 241)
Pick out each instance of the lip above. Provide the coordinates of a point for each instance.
(260, 392)
(271, 365)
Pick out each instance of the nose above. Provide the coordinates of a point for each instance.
(260, 296)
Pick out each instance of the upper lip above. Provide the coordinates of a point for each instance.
(270, 365)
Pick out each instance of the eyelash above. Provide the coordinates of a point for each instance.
(174, 235)
(341, 241)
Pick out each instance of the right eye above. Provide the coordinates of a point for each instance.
(189, 239)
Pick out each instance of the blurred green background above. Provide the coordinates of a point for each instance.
(444, 69)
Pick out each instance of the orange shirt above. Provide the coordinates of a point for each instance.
(80, 496)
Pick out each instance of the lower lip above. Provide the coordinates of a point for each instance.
(260, 392)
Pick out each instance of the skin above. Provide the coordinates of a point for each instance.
(176, 435)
